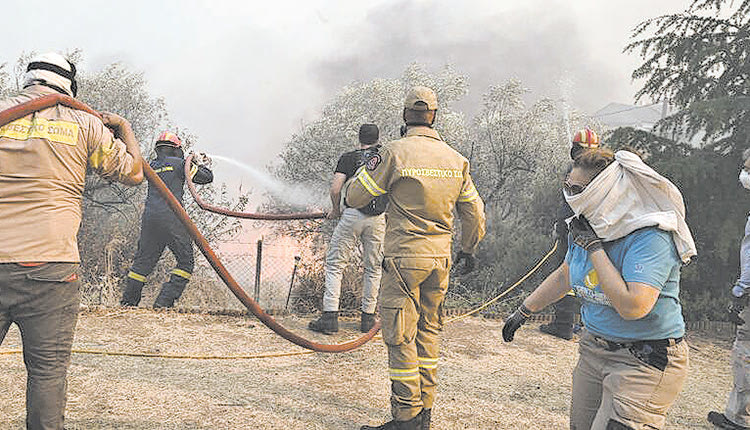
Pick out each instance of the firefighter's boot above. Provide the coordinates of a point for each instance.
(426, 415)
(328, 323)
(366, 322)
(132, 294)
(557, 331)
(720, 421)
(170, 292)
(415, 423)
(565, 312)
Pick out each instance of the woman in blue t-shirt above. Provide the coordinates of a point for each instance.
(633, 360)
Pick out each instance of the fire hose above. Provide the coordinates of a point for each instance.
(35, 105)
(504, 293)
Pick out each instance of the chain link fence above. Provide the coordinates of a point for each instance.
(283, 268)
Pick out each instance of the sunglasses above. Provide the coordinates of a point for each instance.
(573, 189)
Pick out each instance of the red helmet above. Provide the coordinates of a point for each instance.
(586, 138)
(167, 138)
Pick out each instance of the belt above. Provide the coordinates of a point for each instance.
(658, 343)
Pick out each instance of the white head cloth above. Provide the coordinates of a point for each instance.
(629, 195)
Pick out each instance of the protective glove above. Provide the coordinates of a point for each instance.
(739, 301)
(583, 235)
(469, 262)
(514, 322)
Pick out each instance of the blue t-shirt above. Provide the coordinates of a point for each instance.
(648, 256)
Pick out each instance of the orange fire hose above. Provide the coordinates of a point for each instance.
(27, 108)
(245, 215)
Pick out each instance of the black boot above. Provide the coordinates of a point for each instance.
(170, 292)
(415, 423)
(426, 415)
(328, 323)
(366, 322)
(722, 422)
(132, 294)
(556, 330)
(565, 312)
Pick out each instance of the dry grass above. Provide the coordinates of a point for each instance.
(484, 383)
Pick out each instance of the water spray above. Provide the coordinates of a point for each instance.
(290, 194)
(245, 215)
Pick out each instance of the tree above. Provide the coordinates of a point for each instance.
(309, 157)
(518, 156)
(111, 212)
(698, 61)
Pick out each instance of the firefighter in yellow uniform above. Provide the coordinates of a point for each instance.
(425, 180)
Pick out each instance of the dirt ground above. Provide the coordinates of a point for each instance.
(484, 383)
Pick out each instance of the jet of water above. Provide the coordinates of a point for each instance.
(291, 194)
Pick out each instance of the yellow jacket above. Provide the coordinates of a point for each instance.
(43, 162)
(425, 179)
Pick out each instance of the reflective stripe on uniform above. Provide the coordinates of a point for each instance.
(181, 273)
(97, 157)
(469, 195)
(428, 363)
(164, 169)
(58, 131)
(136, 276)
(404, 374)
(366, 180)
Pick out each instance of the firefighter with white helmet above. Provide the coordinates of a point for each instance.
(44, 158)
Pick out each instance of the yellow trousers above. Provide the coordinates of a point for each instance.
(411, 299)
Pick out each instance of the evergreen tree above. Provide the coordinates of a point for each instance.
(697, 60)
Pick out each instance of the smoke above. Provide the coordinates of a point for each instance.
(534, 45)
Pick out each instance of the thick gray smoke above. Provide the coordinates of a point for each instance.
(540, 47)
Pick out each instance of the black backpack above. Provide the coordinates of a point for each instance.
(378, 204)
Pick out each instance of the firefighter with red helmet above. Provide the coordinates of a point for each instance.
(160, 227)
(563, 324)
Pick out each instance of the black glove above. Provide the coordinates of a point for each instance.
(737, 305)
(583, 235)
(469, 262)
(514, 322)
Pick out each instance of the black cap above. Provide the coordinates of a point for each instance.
(368, 134)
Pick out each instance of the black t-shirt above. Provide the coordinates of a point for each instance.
(349, 163)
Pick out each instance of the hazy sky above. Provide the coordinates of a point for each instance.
(242, 75)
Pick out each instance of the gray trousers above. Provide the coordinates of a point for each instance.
(370, 230)
(738, 405)
(43, 302)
